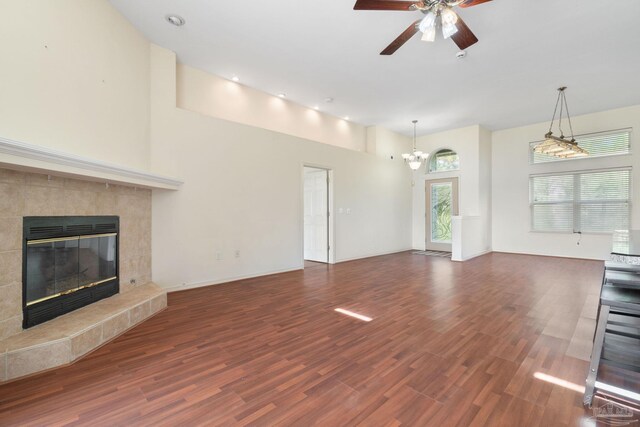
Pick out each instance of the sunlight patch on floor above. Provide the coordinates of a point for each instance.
(355, 315)
(558, 381)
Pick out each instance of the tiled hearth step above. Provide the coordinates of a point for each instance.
(69, 337)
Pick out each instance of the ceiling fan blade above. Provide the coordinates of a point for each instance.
(469, 3)
(402, 39)
(464, 37)
(383, 5)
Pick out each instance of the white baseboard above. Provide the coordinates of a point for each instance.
(200, 284)
(467, 258)
(193, 285)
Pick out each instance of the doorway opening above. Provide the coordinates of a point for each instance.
(441, 204)
(317, 216)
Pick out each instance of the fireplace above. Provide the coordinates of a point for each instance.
(68, 263)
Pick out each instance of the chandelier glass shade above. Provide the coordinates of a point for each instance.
(416, 157)
(561, 146)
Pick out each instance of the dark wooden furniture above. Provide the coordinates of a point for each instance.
(616, 341)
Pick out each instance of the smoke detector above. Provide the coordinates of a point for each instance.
(461, 54)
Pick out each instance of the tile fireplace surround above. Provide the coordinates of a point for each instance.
(66, 338)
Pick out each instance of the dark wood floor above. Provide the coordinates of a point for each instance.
(449, 344)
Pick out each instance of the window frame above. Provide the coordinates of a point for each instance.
(432, 156)
(552, 160)
(575, 201)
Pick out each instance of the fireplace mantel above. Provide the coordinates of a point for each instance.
(34, 158)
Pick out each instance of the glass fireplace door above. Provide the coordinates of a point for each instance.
(64, 265)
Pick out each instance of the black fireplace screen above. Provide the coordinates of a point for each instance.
(63, 265)
(68, 263)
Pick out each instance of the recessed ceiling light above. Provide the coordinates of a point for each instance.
(461, 54)
(316, 107)
(346, 117)
(235, 79)
(282, 95)
(328, 100)
(176, 20)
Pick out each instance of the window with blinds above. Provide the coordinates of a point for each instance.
(587, 202)
(610, 143)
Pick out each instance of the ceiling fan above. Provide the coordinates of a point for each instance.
(437, 13)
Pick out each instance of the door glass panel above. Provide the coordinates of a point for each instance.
(441, 204)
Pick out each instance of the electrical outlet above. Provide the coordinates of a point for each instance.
(237, 254)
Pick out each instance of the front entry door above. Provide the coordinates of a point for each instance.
(441, 205)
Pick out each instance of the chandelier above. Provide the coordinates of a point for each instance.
(415, 158)
(560, 146)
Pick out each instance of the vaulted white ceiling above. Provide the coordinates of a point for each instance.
(312, 50)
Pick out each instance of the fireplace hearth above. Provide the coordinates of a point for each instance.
(68, 263)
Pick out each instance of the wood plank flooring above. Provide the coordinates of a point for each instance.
(449, 344)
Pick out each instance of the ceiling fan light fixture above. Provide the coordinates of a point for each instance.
(429, 35)
(449, 19)
(448, 30)
(428, 22)
(436, 14)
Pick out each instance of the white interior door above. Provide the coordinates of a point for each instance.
(442, 204)
(316, 215)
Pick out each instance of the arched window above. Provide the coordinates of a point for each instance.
(444, 160)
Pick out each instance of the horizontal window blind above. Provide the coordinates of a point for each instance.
(552, 188)
(588, 202)
(599, 144)
(554, 217)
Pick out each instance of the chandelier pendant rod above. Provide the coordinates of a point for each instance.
(566, 107)
(555, 111)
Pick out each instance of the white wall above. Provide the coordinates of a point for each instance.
(214, 96)
(243, 191)
(468, 237)
(485, 185)
(472, 145)
(75, 78)
(510, 189)
(387, 144)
